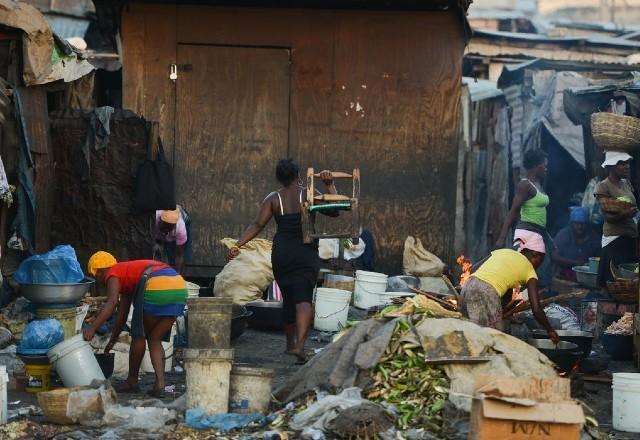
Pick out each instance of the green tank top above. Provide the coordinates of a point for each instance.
(534, 210)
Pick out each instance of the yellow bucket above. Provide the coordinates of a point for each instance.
(66, 317)
(37, 377)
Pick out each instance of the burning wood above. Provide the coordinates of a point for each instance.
(465, 265)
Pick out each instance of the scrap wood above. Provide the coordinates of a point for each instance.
(433, 297)
(526, 305)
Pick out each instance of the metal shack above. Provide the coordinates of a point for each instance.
(332, 84)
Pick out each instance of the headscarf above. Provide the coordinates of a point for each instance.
(579, 215)
(612, 158)
(524, 239)
(171, 217)
(100, 260)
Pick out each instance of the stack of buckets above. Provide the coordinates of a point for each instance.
(213, 383)
(38, 368)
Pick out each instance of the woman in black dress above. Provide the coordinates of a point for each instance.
(295, 264)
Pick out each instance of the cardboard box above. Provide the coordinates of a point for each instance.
(526, 408)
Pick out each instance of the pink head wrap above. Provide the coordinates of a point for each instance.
(524, 239)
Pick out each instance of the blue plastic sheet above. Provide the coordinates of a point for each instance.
(40, 335)
(58, 266)
(197, 419)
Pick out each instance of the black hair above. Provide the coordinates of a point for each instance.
(287, 171)
(533, 158)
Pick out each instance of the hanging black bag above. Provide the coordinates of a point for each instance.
(155, 185)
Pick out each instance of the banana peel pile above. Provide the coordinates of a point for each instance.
(404, 379)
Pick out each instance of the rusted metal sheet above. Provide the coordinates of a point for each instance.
(95, 214)
(379, 91)
(232, 127)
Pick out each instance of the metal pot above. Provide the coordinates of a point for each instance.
(56, 293)
(402, 283)
(584, 340)
(565, 354)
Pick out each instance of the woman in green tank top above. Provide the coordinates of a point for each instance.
(530, 202)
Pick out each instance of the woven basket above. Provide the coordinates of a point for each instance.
(54, 404)
(615, 132)
(614, 206)
(623, 291)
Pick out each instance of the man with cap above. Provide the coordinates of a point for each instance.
(172, 237)
(575, 243)
(494, 278)
(620, 229)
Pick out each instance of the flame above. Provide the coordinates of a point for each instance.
(465, 265)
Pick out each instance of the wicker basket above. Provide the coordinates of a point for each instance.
(614, 206)
(54, 404)
(623, 291)
(615, 132)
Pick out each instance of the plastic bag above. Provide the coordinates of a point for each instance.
(59, 266)
(248, 275)
(87, 407)
(419, 262)
(41, 335)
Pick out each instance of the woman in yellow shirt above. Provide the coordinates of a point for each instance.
(502, 271)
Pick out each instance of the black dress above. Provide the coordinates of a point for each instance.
(295, 264)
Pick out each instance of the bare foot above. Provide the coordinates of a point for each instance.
(301, 357)
(127, 387)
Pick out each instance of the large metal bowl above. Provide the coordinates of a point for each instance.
(56, 293)
(584, 340)
(586, 277)
(565, 354)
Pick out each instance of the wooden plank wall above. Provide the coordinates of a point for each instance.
(378, 90)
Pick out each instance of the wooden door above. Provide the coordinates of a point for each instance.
(232, 125)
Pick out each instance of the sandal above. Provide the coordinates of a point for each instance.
(126, 387)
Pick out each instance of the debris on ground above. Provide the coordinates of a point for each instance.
(26, 429)
(623, 326)
(197, 419)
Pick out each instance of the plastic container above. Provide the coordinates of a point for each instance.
(38, 377)
(594, 264)
(208, 375)
(209, 323)
(147, 366)
(66, 316)
(75, 362)
(626, 401)
(4, 380)
(331, 309)
(193, 289)
(250, 390)
(368, 285)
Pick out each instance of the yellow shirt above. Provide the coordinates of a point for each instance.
(506, 269)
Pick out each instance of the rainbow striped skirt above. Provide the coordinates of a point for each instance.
(165, 293)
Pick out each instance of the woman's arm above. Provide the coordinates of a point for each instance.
(523, 193)
(327, 179)
(617, 217)
(113, 290)
(568, 263)
(265, 214)
(538, 311)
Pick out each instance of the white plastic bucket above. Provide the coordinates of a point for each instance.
(193, 290)
(331, 309)
(4, 379)
(147, 366)
(626, 402)
(368, 286)
(208, 376)
(250, 390)
(75, 362)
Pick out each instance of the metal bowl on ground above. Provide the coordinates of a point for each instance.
(565, 354)
(620, 347)
(56, 293)
(266, 315)
(402, 283)
(585, 276)
(584, 340)
(628, 271)
(239, 318)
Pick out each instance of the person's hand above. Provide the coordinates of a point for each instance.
(88, 333)
(109, 345)
(553, 336)
(326, 177)
(233, 253)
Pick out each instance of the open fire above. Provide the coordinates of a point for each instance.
(465, 265)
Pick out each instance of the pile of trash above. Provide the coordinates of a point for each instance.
(623, 326)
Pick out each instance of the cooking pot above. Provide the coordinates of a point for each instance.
(584, 340)
(565, 354)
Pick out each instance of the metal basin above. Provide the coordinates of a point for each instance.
(584, 340)
(267, 315)
(402, 283)
(565, 354)
(586, 277)
(56, 293)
